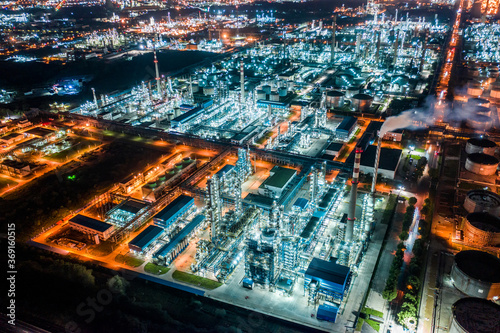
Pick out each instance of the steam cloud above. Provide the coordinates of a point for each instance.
(424, 116)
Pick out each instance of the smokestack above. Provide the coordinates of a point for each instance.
(351, 217)
(378, 48)
(334, 27)
(158, 83)
(375, 166)
(242, 81)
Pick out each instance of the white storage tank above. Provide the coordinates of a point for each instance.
(334, 99)
(479, 122)
(362, 102)
(474, 89)
(261, 94)
(266, 88)
(480, 145)
(282, 91)
(481, 164)
(274, 97)
(351, 91)
(209, 90)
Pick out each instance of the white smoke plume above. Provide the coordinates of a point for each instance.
(424, 116)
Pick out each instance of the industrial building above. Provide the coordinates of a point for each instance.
(326, 280)
(178, 207)
(477, 274)
(91, 226)
(145, 238)
(475, 315)
(345, 128)
(388, 161)
(262, 257)
(277, 181)
(179, 241)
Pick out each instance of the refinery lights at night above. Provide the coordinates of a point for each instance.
(227, 166)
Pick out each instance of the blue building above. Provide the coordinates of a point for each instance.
(168, 215)
(179, 242)
(327, 312)
(345, 128)
(145, 238)
(326, 280)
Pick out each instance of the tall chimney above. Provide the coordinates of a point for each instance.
(242, 81)
(158, 83)
(351, 217)
(375, 166)
(334, 27)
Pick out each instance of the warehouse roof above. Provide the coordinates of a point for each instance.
(91, 223)
(335, 146)
(167, 248)
(346, 124)
(328, 271)
(280, 178)
(166, 213)
(327, 198)
(132, 206)
(389, 158)
(146, 237)
(40, 131)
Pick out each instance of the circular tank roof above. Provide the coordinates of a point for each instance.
(362, 97)
(477, 315)
(479, 265)
(485, 198)
(482, 109)
(483, 159)
(484, 143)
(334, 93)
(477, 101)
(484, 221)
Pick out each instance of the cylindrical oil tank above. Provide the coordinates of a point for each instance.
(476, 274)
(481, 229)
(480, 145)
(261, 94)
(481, 164)
(290, 84)
(282, 91)
(209, 90)
(351, 91)
(482, 201)
(334, 99)
(475, 315)
(473, 71)
(266, 88)
(479, 122)
(274, 97)
(362, 102)
(479, 102)
(212, 77)
(482, 110)
(474, 89)
(196, 88)
(495, 91)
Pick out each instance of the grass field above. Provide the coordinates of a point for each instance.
(155, 269)
(196, 280)
(128, 260)
(374, 324)
(4, 182)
